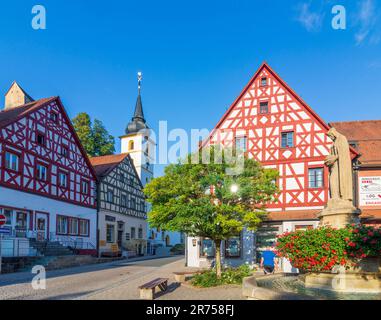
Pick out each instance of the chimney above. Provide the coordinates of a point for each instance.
(16, 96)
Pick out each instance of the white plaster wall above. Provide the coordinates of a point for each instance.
(247, 254)
(29, 201)
(128, 223)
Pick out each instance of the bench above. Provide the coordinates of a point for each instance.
(180, 276)
(147, 290)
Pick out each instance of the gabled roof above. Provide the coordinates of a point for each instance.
(12, 115)
(103, 165)
(366, 134)
(264, 65)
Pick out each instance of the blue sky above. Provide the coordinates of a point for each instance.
(196, 56)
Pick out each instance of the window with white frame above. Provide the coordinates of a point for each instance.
(110, 233)
(110, 196)
(84, 227)
(62, 180)
(133, 233)
(315, 177)
(133, 203)
(62, 225)
(241, 143)
(42, 172)
(123, 200)
(264, 107)
(12, 161)
(73, 226)
(287, 139)
(85, 187)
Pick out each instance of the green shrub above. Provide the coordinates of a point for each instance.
(228, 276)
(324, 248)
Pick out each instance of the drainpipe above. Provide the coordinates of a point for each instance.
(97, 218)
(186, 249)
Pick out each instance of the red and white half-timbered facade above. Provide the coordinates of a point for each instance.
(282, 132)
(47, 184)
(276, 127)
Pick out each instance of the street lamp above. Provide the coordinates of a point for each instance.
(234, 188)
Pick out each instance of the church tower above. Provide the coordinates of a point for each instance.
(137, 141)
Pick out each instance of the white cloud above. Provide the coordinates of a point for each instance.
(366, 20)
(311, 20)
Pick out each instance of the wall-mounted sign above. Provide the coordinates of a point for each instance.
(110, 218)
(194, 242)
(370, 191)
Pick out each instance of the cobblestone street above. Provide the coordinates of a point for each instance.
(114, 281)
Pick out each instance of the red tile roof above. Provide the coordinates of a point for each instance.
(14, 114)
(105, 164)
(371, 214)
(298, 215)
(293, 215)
(10, 115)
(367, 135)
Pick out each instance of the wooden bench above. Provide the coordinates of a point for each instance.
(147, 290)
(181, 276)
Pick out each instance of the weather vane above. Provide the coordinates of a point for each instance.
(140, 77)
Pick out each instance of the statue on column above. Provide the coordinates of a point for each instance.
(340, 167)
(340, 210)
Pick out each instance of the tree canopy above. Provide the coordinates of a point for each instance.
(94, 137)
(198, 199)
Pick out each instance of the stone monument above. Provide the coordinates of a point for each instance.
(340, 210)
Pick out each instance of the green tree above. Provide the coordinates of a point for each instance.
(94, 137)
(201, 200)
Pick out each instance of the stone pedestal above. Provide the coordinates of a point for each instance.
(338, 213)
(365, 278)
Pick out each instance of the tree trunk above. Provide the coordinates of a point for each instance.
(218, 258)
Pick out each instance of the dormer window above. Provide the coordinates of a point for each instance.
(263, 81)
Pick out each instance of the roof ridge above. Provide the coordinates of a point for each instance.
(30, 103)
(351, 121)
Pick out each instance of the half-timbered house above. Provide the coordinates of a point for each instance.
(47, 184)
(274, 126)
(121, 206)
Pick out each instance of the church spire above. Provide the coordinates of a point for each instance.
(138, 122)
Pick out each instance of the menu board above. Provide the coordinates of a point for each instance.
(370, 191)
